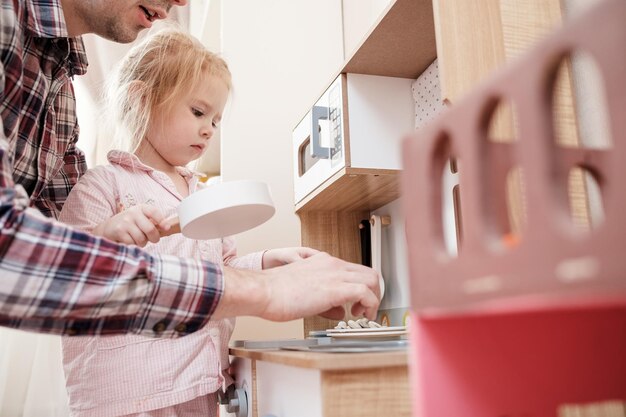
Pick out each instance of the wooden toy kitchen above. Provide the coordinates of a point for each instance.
(496, 329)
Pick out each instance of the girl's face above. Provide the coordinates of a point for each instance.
(182, 135)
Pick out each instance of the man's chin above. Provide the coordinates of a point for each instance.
(123, 37)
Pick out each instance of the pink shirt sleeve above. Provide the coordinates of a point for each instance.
(92, 201)
(230, 258)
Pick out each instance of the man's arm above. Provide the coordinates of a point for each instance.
(58, 280)
(320, 284)
(55, 279)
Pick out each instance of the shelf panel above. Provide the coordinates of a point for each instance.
(353, 189)
(400, 44)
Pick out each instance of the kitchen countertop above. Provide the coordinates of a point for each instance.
(325, 361)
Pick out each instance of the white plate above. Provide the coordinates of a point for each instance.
(372, 334)
(368, 330)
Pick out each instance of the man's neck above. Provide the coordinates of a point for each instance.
(72, 22)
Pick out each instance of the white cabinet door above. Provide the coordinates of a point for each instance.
(287, 391)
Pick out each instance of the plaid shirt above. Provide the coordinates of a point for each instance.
(53, 278)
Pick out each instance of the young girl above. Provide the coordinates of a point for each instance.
(168, 98)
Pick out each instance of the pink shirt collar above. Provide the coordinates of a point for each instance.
(131, 162)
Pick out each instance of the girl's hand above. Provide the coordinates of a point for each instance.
(283, 256)
(134, 226)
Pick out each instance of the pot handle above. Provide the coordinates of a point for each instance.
(174, 226)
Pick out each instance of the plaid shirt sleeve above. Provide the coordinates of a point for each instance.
(55, 279)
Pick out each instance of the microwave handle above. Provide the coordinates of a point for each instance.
(317, 150)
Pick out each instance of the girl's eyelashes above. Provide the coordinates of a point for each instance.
(201, 113)
(197, 112)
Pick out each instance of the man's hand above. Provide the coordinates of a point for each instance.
(319, 284)
(283, 256)
(134, 226)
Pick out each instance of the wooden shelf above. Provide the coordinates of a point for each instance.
(400, 44)
(353, 189)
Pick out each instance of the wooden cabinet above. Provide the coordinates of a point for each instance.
(354, 131)
(400, 44)
(473, 42)
(282, 383)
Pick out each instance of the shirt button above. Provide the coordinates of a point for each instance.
(159, 327)
(181, 328)
(78, 328)
(192, 327)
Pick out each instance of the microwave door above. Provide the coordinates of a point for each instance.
(305, 158)
(311, 170)
(317, 143)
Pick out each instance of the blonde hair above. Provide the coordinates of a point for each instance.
(152, 76)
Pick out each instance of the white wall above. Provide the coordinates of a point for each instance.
(282, 54)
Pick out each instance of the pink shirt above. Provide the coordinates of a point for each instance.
(116, 375)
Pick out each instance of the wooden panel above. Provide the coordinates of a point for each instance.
(473, 41)
(614, 408)
(368, 393)
(469, 43)
(334, 232)
(353, 189)
(338, 234)
(523, 25)
(401, 43)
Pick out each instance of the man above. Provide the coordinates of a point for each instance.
(58, 280)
